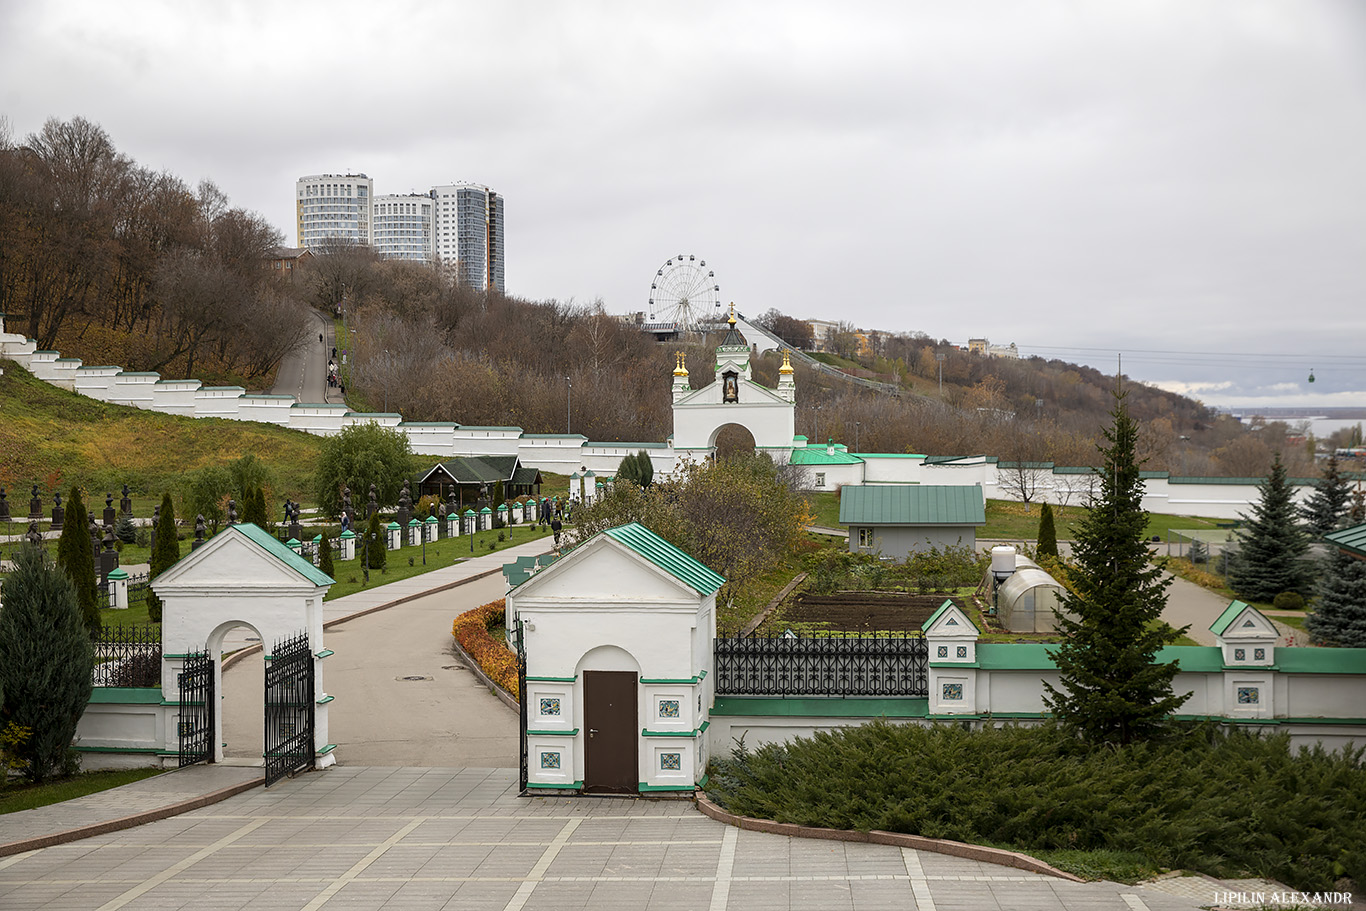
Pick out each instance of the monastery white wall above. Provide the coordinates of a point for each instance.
(567, 453)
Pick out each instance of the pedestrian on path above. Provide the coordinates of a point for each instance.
(556, 526)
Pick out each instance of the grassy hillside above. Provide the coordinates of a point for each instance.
(56, 438)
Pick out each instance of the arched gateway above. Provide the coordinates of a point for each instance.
(244, 577)
(768, 414)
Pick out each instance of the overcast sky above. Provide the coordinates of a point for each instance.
(1182, 182)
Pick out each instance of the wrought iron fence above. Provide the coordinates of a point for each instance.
(138, 586)
(127, 655)
(848, 665)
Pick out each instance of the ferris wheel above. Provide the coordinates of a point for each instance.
(684, 292)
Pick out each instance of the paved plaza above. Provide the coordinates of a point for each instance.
(401, 839)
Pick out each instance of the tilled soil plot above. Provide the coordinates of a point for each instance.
(864, 610)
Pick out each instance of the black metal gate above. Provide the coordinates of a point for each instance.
(195, 728)
(522, 699)
(289, 708)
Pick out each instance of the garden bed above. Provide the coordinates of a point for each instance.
(868, 610)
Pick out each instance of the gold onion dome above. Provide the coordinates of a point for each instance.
(679, 369)
(786, 368)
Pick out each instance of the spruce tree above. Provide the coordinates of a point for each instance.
(1113, 690)
(45, 661)
(325, 556)
(1271, 556)
(254, 507)
(1326, 507)
(1340, 615)
(76, 557)
(627, 470)
(1198, 553)
(1048, 535)
(164, 555)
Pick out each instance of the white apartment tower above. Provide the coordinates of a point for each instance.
(469, 234)
(333, 206)
(459, 225)
(402, 227)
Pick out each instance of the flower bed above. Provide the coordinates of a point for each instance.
(472, 630)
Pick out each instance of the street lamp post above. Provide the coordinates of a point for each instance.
(568, 405)
(857, 425)
(940, 359)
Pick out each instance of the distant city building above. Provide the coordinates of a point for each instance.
(459, 225)
(402, 227)
(333, 206)
(821, 330)
(469, 233)
(984, 346)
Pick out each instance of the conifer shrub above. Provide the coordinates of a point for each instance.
(45, 664)
(1048, 535)
(325, 556)
(1224, 803)
(164, 555)
(377, 557)
(76, 557)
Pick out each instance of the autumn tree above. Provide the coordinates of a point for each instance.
(1112, 688)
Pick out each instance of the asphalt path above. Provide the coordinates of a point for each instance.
(381, 717)
(303, 372)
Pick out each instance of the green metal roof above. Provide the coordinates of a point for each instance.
(821, 455)
(1321, 660)
(295, 562)
(667, 557)
(1234, 609)
(934, 617)
(1349, 539)
(1028, 656)
(1042, 466)
(926, 504)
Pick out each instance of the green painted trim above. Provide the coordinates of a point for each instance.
(703, 782)
(573, 679)
(646, 732)
(140, 750)
(126, 695)
(950, 664)
(186, 655)
(327, 749)
(661, 681)
(575, 786)
(325, 653)
(666, 787)
(573, 733)
(1251, 667)
(326, 699)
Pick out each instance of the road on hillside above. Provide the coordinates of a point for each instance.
(303, 372)
(379, 717)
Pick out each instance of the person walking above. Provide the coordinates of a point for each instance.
(556, 526)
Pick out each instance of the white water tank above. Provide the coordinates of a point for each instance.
(1002, 561)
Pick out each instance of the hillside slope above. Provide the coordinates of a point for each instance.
(55, 438)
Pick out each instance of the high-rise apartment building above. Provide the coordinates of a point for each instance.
(469, 233)
(402, 227)
(460, 225)
(333, 206)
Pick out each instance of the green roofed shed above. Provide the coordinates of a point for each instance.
(893, 520)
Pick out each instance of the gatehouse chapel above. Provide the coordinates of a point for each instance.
(734, 398)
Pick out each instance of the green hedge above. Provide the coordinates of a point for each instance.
(1225, 804)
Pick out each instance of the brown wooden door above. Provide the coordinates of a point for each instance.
(610, 715)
